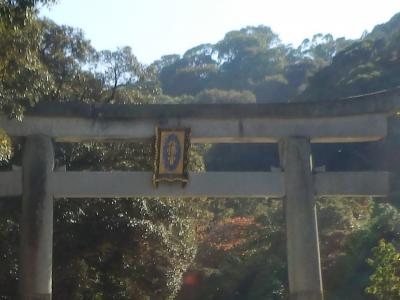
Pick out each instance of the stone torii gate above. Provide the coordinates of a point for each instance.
(293, 126)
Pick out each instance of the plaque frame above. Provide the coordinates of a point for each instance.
(164, 177)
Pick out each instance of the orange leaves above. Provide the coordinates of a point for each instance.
(231, 233)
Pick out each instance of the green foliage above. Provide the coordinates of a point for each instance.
(385, 280)
(121, 69)
(241, 253)
(250, 59)
(121, 249)
(104, 249)
(238, 43)
(192, 73)
(18, 13)
(64, 52)
(223, 96)
(23, 78)
(367, 65)
(136, 248)
(322, 48)
(344, 252)
(9, 241)
(5, 146)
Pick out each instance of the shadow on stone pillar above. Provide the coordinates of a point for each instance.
(303, 257)
(36, 247)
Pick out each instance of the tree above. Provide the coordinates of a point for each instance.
(385, 280)
(137, 247)
(241, 253)
(22, 77)
(120, 69)
(224, 96)
(5, 146)
(65, 53)
(322, 48)
(122, 248)
(18, 13)
(367, 65)
(248, 55)
(194, 72)
(238, 43)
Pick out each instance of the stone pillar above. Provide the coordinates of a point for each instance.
(303, 257)
(37, 219)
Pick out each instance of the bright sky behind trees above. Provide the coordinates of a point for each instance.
(158, 27)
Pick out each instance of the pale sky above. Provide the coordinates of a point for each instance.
(158, 27)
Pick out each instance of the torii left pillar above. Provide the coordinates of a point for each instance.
(37, 219)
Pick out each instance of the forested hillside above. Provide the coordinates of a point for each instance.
(192, 249)
(367, 65)
(252, 61)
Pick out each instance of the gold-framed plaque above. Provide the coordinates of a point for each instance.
(171, 155)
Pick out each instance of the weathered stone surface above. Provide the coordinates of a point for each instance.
(42, 297)
(117, 184)
(305, 280)
(357, 128)
(37, 219)
(356, 119)
(380, 102)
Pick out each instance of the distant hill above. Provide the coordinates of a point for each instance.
(367, 65)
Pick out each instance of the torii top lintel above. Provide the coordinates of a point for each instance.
(355, 119)
(387, 102)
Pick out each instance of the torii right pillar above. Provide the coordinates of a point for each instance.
(303, 258)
